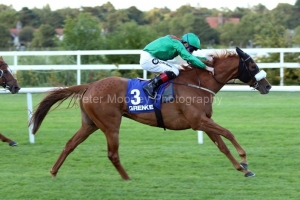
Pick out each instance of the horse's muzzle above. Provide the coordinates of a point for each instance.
(264, 86)
(14, 89)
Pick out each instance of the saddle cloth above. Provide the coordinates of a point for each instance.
(139, 102)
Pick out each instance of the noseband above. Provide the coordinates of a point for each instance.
(4, 81)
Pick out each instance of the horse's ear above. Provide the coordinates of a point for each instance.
(240, 52)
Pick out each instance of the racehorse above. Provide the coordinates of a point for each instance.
(99, 111)
(7, 81)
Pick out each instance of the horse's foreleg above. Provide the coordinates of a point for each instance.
(214, 131)
(9, 141)
(78, 138)
(217, 140)
(4, 139)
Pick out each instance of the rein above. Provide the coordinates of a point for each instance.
(202, 88)
(195, 86)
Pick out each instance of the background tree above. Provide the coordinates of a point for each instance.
(228, 34)
(181, 25)
(26, 35)
(207, 35)
(155, 16)
(5, 37)
(29, 18)
(125, 38)
(44, 37)
(274, 35)
(82, 33)
(108, 28)
(136, 15)
(115, 19)
(296, 37)
(47, 16)
(68, 12)
(260, 9)
(283, 14)
(8, 16)
(104, 10)
(251, 24)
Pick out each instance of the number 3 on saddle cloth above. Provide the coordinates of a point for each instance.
(139, 102)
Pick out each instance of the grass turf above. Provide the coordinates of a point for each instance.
(162, 164)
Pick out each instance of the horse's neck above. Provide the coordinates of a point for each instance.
(199, 77)
(226, 68)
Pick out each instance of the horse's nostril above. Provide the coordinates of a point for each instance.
(268, 87)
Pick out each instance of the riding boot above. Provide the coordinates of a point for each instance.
(151, 87)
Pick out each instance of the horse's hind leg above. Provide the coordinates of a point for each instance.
(4, 139)
(9, 141)
(110, 123)
(110, 128)
(78, 138)
(112, 137)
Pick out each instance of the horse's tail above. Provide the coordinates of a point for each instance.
(54, 96)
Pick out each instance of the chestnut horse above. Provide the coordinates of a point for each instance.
(7, 81)
(98, 111)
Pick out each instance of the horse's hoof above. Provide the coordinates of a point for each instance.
(249, 174)
(244, 166)
(13, 143)
(52, 174)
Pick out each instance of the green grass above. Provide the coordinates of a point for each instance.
(161, 164)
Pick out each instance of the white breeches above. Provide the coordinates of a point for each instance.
(152, 64)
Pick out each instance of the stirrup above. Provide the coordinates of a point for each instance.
(151, 97)
(150, 90)
(150, 94)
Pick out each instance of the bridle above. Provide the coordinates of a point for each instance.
(4, 81)
(244, 73)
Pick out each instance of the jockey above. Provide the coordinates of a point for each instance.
(157, 57)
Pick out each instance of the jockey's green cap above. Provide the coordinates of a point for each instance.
(192, 40)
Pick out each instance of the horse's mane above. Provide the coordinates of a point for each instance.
(223, 54)
(220, 55)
